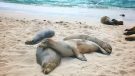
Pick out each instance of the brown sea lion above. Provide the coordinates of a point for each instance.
(130, 31)
(74, 47)
(107, 20)
(107, 47)
(48, 59)
(130, 38)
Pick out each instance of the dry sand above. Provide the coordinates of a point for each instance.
(18, 59)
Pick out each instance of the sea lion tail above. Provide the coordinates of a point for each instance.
(40, 36)
(107, 47)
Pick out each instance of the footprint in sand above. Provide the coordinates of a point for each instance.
(119, 54)
(122, 72)
(118, 49)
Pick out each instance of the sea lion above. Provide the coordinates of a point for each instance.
(107, 47)
(45, 33)
(108, 21)
(48, 59)
(130, 38)
(130, 31)
(74, 47)
(122, 15)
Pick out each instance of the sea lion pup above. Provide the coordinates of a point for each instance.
(130, 38)
(107, 47)
(108, 21)
(46, 33)
(130, 31)
(48, 59)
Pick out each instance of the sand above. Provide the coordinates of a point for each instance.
(18, 59)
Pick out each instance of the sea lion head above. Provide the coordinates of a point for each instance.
(47, 68)
(43, 44)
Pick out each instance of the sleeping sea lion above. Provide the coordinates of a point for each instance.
(107, 47)
(74, 47)
(48, 59)
(107, 20)
(130, 38)
(130, 31)
(46, 33)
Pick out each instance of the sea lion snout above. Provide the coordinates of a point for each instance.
(109, 52)
(46, 70)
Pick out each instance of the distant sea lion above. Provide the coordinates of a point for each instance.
(122, 15)
(48, 59)
(130, 31)
(130, 38)
(108, 21)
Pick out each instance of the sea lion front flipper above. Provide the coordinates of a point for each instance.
(79, 55)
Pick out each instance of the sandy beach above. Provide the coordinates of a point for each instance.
(18, 59)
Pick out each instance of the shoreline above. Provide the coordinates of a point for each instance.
(60, 13)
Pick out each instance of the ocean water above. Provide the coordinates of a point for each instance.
(79, 3)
